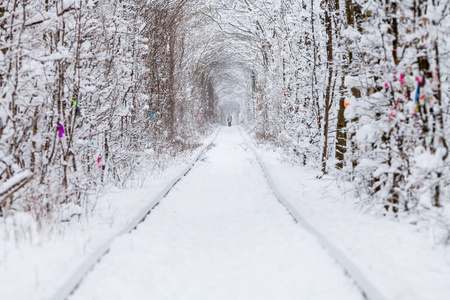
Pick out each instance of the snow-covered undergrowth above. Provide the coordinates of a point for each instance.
(424, 215)
(32, 217)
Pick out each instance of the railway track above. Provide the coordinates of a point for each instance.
(367, 289)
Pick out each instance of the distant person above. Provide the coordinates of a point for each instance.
(229, 120)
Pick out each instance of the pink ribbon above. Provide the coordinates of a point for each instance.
(391, 116)
(402, 82)
(99, 165)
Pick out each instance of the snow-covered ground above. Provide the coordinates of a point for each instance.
(36, 269)
(221, 234)
(401, 260)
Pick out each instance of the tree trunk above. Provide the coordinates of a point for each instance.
(330, 67)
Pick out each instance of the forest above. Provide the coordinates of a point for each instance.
(95, 94)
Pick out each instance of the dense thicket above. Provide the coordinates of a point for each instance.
(359, 88)
(91, 94)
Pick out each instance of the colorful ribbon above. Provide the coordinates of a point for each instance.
(391, 116)
(61, 130)
(419, 81)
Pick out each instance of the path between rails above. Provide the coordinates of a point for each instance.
(219, 234)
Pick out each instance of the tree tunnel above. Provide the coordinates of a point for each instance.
(226, 74)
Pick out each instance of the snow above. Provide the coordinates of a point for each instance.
(352, 81)
(428, 161)
(36, 18)
(16, 179)
(53, 56)
(67, 4)
(351, 33)
(366, 134)
(220, 234)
